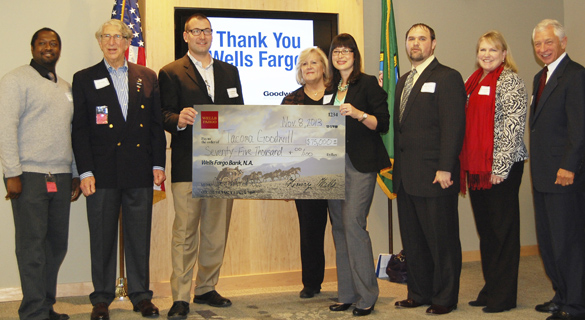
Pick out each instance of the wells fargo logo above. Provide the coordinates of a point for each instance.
(209, 120)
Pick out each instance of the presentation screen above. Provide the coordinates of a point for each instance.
(263, 45)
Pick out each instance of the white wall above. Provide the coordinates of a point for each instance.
(76, 22)
(575, 25)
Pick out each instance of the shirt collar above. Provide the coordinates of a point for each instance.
(197, 62)
(551, 67)
(111, 69)
(40, 69)
(421, 67)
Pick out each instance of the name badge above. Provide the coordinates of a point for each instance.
(51, 183)
(101, 83)
(327, 98)
(484, 91)
(232, 92)
(428, 87)
(101, 115)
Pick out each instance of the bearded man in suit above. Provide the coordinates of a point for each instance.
(429, 128)
(201, 226)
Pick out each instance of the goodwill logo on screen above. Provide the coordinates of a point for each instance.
(236, 45)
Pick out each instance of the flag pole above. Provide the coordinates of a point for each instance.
(388, 77)
(390, 228)
(121, 287)
(128, 12)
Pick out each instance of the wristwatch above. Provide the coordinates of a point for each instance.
(364, 117)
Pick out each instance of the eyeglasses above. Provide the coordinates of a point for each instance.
(197, 31)
(117, 37)
(343, 52)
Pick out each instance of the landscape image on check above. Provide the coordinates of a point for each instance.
(270, 152)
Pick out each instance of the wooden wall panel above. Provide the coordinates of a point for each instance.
(264, 234)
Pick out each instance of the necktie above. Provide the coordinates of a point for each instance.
(406, 92)
(541, 84)
(51, 76)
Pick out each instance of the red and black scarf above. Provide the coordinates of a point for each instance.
(478, 147)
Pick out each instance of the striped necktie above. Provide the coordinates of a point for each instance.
(406, 92)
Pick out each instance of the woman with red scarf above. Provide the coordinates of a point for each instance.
(492, 162)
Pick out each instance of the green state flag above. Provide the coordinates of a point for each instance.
(388, 77)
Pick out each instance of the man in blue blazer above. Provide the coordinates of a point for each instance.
(200, 228)
(119, 146)
(557, 153)
(429, 126)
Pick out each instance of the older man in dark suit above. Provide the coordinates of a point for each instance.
(557, 148)
(201, 226)
(429, 127)
(119, 145)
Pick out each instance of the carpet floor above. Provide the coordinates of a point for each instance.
(284, 303)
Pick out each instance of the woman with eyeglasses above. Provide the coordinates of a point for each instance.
(363, 103)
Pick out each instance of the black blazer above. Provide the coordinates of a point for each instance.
(364, 146)
(121, 154)
(431, 134)
(557, 128)
(182, 86)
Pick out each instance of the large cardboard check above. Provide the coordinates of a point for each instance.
(269, 152)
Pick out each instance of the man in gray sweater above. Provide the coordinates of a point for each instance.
(39, 173)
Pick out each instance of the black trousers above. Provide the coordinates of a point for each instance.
(560, 230)
(103, 210)
(497, 219)
(429, 229)
(41, 225)
(312, 223)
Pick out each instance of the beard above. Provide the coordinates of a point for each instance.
(417, 56)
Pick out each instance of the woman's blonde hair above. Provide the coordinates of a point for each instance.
(322, 58)
(497, 39)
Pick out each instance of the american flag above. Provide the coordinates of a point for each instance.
(127, 11)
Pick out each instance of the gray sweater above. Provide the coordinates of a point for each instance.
(35, 124)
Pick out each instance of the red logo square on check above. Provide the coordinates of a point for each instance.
(209, 120)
